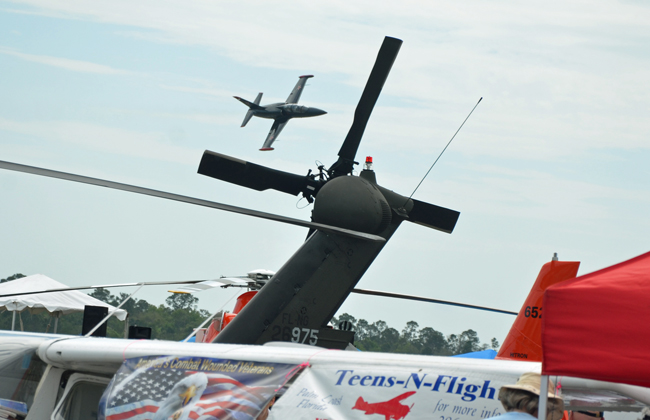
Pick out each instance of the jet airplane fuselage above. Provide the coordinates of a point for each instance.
(288, 111)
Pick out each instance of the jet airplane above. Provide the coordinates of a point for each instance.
(280, 112)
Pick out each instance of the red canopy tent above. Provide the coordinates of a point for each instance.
(597, 326)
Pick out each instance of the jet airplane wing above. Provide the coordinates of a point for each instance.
(277, 127)
(294, 96)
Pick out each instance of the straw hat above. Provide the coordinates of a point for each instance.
(530, 382)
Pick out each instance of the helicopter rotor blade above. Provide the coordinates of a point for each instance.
(251, 175)
(210, 284)
(383, 64)
(433, 216)
(108, 286)
(176, 197)
(236, 280)
(424, 299)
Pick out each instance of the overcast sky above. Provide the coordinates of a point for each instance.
(554, 159)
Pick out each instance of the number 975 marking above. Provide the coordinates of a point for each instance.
(300, 335)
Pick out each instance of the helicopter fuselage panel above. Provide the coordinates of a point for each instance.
(306, 292)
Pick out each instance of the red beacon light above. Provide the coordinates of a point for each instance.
(368, 164)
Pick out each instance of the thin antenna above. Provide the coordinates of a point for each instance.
(443, 150)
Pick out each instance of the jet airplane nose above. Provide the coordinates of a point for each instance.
(316, 112)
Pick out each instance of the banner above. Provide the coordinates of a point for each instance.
(386, 393)
(179, 388)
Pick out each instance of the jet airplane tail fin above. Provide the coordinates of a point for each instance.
(252, 107)
(524, 341)
(258, 99)
(247, 118)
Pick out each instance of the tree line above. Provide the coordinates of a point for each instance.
(379, 337)
(175, 319)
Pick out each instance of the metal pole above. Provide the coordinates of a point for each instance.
(543, 398)
(13, 320)
(126, 326)
(110, 313)
(56, 322)
(209, 318)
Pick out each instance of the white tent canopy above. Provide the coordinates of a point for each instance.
(61, 303)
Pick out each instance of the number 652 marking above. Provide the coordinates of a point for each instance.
(533, 312)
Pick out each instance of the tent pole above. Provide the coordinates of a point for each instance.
(110, 313)
(56, 322)
(543, 398)
(126, 326)
(13, 320)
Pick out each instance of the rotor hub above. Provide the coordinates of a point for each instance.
(351, 202)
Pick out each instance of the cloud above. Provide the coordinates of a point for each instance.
(205, 91)
(64, 63)
(212, 119)
(149, 145)
(558, 79)
(323, 28)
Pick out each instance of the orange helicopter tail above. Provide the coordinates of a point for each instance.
(524, 341)
(218, 324)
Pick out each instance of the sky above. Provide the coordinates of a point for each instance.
(554, 159)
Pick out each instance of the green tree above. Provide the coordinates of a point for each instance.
(495, 344)
(466, 342)
(14, 277)
(410, 331)
(133, 306)
(432, 342)
(336, 322)
(182, 301)
(103, 294)
(378, 336)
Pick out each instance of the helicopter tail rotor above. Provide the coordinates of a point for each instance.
(251, 175)
(435, 217)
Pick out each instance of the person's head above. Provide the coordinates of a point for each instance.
(264, 414)
(524, 396)
(586, 415)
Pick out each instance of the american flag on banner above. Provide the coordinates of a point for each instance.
(180, 388)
